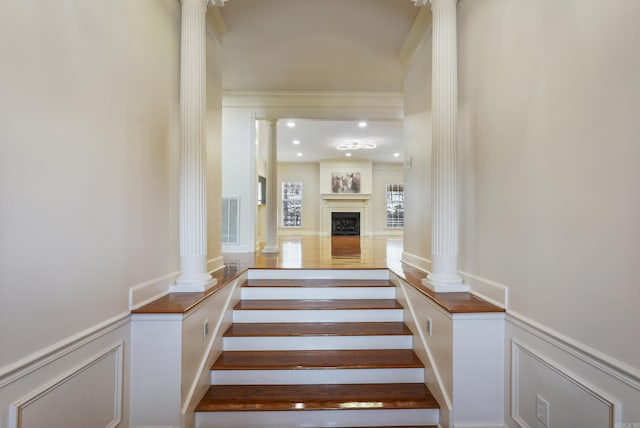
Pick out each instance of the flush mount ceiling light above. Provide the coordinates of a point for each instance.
(362, 124)
(298, 154)
(347, 154)
(296, 142)
(356, 145)
(291, 124)
(395, 155)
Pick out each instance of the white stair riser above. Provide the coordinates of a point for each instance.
(316, 376)
(302, 274)
(347, 315)
(317, 418)
(278, 343)
(301, 293)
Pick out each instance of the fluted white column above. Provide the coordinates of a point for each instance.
(444, 152)
(271, 246)
(193, 175)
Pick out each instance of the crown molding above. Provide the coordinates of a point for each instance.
(215, 22)
(421, 2)
(419, 29)
(218, 3)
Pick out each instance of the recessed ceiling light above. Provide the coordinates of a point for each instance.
(298, 154)
(362, 124)
(395, 155)
(296, 142)
(347, 154)
(291, 124)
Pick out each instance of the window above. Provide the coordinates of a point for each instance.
(395, 205)
(291, 204)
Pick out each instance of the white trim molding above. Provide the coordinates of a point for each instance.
(45, 356)
(148, 291)
(594, 358)
(420, 28)
(491, 291)
(18, 408)
(318, 104)
(215, 264)
(416, 261)
(610, 405)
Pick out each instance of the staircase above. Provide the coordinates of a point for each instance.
(317, 353)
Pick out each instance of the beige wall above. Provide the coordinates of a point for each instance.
(549, 96)
(214, 148)
(549, 155)
(88, 162)
(417, 152)
(550, 115)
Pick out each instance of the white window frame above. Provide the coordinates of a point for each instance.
(394, 193)
(286, 198)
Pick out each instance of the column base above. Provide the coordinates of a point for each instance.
(193, 286)
(270, 250)
(445, 285)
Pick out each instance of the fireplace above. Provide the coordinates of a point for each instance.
(345, 223)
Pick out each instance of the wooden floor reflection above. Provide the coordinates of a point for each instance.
(311, 252)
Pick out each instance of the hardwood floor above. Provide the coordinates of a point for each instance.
(309, 397)
(318, 329)
(301, 359)
(312, 252)
(338, 252)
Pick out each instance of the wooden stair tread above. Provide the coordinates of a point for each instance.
(341, 359)
(316, 397)
(318, 283)
(317, 304)
(318, 329)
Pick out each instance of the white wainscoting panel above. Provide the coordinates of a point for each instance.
(584, 387)
(572, 401)
(90, 395)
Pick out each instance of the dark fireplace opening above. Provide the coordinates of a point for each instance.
(345, 223)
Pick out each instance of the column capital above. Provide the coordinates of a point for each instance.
(204, 3)
(433, 2)
(218, 3)
(270, 120)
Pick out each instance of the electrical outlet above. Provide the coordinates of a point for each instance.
(542, 410)
(429, 326)
(205, 329)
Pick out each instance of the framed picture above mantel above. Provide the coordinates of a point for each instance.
(345, 182)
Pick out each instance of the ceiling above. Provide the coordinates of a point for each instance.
(326, 46)
(319, 139)
(315, 45)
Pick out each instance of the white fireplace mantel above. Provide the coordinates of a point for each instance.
(346, 202)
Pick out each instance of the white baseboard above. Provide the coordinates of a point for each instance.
(416, 261)
(393, 233)
(215, 264)
(297, 232)
(486, 289)
(148, 291)
(233, 248)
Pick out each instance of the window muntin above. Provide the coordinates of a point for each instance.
(291, 204)
(395, 205)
